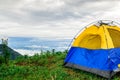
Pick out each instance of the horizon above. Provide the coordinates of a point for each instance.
(30, 46)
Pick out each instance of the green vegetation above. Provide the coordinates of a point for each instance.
(4, 58)
(47, 66)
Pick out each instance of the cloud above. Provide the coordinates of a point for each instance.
(37, 47)
(53, 18)
(27, 52)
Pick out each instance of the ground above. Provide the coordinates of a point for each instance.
(47, 66)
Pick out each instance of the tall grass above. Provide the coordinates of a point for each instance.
(47, 66)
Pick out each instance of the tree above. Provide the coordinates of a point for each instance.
(1, 59)
(53, 51)
(6, 54)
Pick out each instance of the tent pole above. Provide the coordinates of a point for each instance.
(79, 33)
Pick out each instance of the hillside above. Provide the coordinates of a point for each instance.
(47, 66)
(13, 54)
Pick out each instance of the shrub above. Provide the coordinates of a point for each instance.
(1, 60)
(6, 54)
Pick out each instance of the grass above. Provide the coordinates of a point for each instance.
(47, 66)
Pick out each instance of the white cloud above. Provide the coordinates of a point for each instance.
(53, 18)
(27, 52)
(43, 4)
(36, 46)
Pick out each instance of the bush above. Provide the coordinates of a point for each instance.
(1, 60)
(6, 54)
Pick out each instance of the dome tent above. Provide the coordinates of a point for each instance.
(96, 49)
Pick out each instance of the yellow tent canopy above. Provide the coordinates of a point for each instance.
(99, 36)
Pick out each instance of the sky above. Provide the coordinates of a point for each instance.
(53, 18)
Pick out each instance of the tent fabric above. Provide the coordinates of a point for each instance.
(104, 73)
(96, 50)
(115, 36)
(103, 35)
(102, 59)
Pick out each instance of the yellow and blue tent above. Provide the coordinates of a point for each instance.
(96, 49)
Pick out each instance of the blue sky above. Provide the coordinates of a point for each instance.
(53, 18)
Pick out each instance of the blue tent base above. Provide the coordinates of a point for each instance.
(103, 73)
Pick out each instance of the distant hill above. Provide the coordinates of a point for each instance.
(13, 54)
